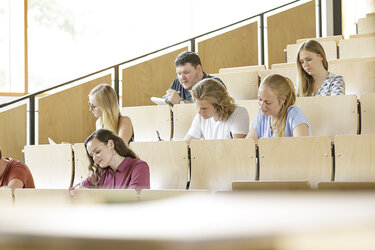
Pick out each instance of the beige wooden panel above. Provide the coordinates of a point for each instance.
(234, 48)
(65, 116)
(241, 85)
(149, 194)
(357, 47)
(366, 25)
(290, 72)
(284, 65)
(346, 186)
(330, 115)
(168, 162)
(336, 39)
(355, 158)
(100, 196)
(368, 113)
(215, 164)
(13, 132)
(361, 35)
(359, 74)
(183, 116)
(242, 69)
(295, 158)
(330, 48)
(50, 165)
(270, 185)
(26, 197)
(147, 119)
(6, 198)
(149, 78)
(81, 163)
(252, 107)
(286, 27)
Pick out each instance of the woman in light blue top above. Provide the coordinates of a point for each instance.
(277, 116)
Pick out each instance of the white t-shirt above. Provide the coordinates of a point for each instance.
(238, 123)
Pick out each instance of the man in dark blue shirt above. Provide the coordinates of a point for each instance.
(189, 72)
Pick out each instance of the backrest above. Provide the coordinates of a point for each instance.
(168, 162)
(242, 69)
(149, 194)
(366, 24)
(368, 113)
(330, 115)
(358, 73)
(357, 47)
(183, 116)
(81, 163)
(147, 119)
(290, 72)
(216, 163)
(6, 198)
(92, 196)
(252, 107)
(355, 158)
(38, 197)
(330, 48)
(270, 185)
(336, 39)
(346, 186)
(295, 158)
(241, 85)
(50, 165)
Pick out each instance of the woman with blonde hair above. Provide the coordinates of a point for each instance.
(218, 116)
(104, 105)
(277, 117)
(313, 76)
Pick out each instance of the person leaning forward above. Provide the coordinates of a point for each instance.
(189, 72)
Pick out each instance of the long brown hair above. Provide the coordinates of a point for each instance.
(282, 87)
(104, 135)
(305, 81)
(214, 92)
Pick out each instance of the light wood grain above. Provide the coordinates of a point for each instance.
(26, 197)
(368, 113)
(168, 162)
(346, 186)
(6, 198)
(330, 48)
(252, 107)
(295, 158)
(183, 116)
(270, 185)
(241, 85)
(215, 164)
(290, 72)
(357, 47)
(149, 194)
(366, 24)
(336, 39)
(81, 163)
(103, 196)
(242, 69)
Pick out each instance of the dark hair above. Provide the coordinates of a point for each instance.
(104, 135)
(188, 57)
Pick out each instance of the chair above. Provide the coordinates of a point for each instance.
(149, 119)
(330, 115)
(41, 197)
(358, 73)
(168, 162)
(270, 185)
(81, 163)
(242, 69)
(252, 107)
(295, 158)
(330, 48)
(355, 158)
(357, 47)
(346, 186)
(368, 113)
(336, 39)
(50, 165)
(366, 25)
(102, 196)
(149, 194)
(6, 197)
(290, 72)
(183, 116)
(216, 163)
(241, 85)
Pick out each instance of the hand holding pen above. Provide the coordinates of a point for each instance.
(173, 96)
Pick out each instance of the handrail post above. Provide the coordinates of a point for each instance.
(32, 119)
(261, 16)
(192, 44)
(117, 81)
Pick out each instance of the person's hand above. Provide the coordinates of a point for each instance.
(172, 96)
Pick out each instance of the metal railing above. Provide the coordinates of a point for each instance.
(116, 67)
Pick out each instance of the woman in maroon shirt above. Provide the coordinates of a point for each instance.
(113, 165)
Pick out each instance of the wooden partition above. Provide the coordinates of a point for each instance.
(357, 47)
(366, 24)
(147, 79)
(368, 113)
(13, 132)
(234, 48)
(65, 116)
(286, 27)
(183, 116)
(330, 48)
(81, 163)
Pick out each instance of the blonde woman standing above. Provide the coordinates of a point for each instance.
(277, 117)
(218, 116)
(313, 76)
(104, 105)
